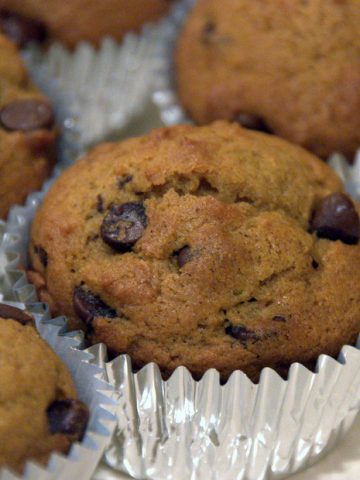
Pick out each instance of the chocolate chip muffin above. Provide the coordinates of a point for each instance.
(39, 410)
(27, 134)
(72, 21)
(209, 247)
(290, 67)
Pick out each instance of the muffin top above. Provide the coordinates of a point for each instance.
(38, 407)
(73, 21)
(287, 66)
(27, 134)
(15, 86)
(206, 246)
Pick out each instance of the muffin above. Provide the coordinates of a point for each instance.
(72, 21)
(285, 66)
(27, 134)
(39, 410)
(209, 247)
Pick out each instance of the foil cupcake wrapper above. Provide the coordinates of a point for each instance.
(183, 429)
(87, 372)
(96, 93)
(164, 93)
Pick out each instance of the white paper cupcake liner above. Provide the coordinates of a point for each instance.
(86, 371)
(182, 429)
(96, 93)
(164, 94)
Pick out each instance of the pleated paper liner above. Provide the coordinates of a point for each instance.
(164, 93)
(87, 373)
(96, 93)
(180, 428)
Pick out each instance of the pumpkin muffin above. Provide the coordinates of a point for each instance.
(209, 247)
(27, 134)
(38, 407)
(290, 67)
(72, 21)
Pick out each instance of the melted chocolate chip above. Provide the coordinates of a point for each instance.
(336, 218)
(279, 318)
(21, 30)
(43, 256)
(252, 122)
(12, 313)
(184, 256)
(124, 180)
(241, 333)
(27, 115)
(124, 225)
(68, 417)
(100, 204)
(88, 306)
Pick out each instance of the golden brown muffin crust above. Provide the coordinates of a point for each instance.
(71, 21)
(292, 65)
(224, 272)
(26, 156)
(32, 378)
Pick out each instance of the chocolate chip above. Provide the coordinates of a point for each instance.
(12, 313)
(208, 31)
(279, 318)
(43, 256)
(241, 333)
(336, 218)
(27, 115)
(184, 255)
(314, 264)
(124, 225)
(124, 180)
(88, 306)
(100, 204)
(252, 122)
(69, 417)
(21, 30)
